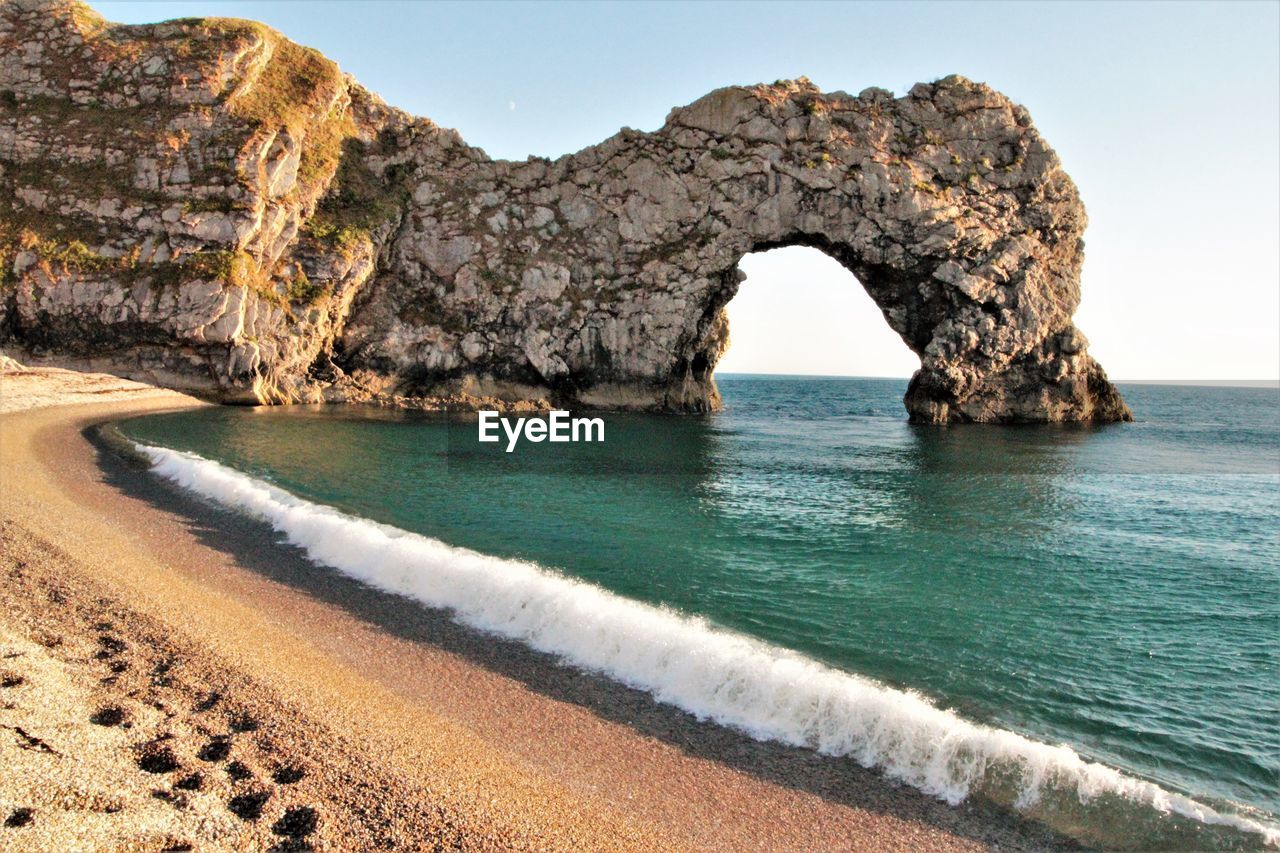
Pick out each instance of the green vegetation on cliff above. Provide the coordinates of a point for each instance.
(107, 160)
(299, 90)
(358, 201)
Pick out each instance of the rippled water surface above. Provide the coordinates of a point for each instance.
(1116, 589)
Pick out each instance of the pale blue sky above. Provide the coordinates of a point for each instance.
(1166, 115)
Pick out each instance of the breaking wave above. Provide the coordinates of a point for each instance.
(766, 691)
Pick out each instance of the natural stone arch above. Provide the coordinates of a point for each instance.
(946, 205)
(206, 205)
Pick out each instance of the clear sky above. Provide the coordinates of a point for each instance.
(1166, 115)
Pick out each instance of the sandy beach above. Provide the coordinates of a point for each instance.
(173, 678)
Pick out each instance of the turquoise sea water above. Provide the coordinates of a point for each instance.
(1115, 589)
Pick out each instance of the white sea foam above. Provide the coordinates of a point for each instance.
(766, 691)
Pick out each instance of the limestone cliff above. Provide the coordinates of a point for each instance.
(205, 204)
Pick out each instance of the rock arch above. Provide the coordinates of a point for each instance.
(206, 205)
(601, 277)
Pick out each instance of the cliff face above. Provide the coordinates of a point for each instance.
(204, 204)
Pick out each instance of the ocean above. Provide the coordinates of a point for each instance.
(1082, 622)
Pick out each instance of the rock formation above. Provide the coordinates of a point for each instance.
(206, 205)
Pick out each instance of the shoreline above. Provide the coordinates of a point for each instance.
(508, 743)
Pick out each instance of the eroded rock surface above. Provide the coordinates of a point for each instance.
(207, 205)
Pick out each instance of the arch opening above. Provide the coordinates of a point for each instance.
(800, 311)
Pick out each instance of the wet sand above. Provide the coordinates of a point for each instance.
(152, 638)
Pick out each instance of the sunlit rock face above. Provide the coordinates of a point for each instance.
(268, 230)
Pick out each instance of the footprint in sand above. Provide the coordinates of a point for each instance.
(297, 822)
(110, 646)
(238, 771)
(156, 757)
(242, 722)
(288, 774)
(216, 749)
(190, 782)
(249, 805)
(119, 666)
(19, 817)
(108, 715)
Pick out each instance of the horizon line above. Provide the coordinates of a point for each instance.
(1239, 383)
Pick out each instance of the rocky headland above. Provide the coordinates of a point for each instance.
(205, 205)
